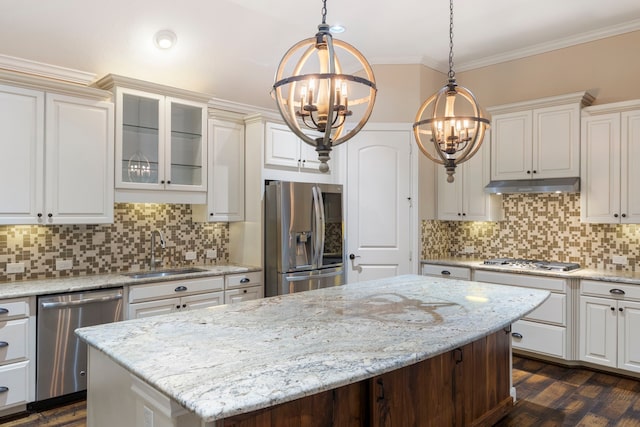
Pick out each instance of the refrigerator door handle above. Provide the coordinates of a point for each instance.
(314, 276)
(318, 209)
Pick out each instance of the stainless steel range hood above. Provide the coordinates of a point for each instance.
(548, 185)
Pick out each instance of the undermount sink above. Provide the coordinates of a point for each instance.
(164, 273)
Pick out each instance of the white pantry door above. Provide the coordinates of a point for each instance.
(378, 204)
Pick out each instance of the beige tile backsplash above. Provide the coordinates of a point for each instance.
(111, 248)
(541, 226)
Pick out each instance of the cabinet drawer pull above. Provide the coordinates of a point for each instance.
(4, 310)
(4, 389)
(516, 335)
(245, 280)
(180, 289)
(4, 344)
(445, 273)
(616, 291)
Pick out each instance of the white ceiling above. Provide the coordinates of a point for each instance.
(231, 48)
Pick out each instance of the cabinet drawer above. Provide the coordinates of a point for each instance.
(243, 280)
(446, 271)
(526, 280)
(16, 378)
(551, 311)
(538, 337)
(244, 294)
(603, 289)
(175, 288)
(13, 340)
(14, 308)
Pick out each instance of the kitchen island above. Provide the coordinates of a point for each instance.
(377, 353)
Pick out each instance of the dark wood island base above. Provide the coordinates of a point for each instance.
(468, 386)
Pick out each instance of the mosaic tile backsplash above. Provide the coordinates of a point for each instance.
(111, 248)
(541, 226)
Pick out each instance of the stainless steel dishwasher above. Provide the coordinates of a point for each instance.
(61, 358)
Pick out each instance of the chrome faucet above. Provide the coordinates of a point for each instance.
(163, 245)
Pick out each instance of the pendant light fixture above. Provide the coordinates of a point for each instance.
(317, 101)
(451, 120)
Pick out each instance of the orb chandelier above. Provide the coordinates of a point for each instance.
(321, 104)
(451, 120)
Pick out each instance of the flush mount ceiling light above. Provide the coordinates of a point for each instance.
(315, 98)
(456, 133)
(165, 39)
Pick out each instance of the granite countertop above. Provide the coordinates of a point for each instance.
(29, 288)
(632, 278)
(232, 359)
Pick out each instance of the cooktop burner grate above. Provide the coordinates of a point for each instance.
(533, 264)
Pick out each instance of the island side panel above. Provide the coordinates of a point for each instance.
(469, 386)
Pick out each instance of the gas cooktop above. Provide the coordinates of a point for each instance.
(533, 264)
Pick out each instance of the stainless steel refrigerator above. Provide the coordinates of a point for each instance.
(304, 237)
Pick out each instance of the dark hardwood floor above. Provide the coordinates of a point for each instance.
(548, 396)
(553, 396)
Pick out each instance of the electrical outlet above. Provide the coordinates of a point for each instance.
(619, 259)
(64, 264)
(190, 255)
(212, 253)
(15, 267)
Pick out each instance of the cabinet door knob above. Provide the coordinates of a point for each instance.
(516, 335)
(162, 182)
(39, 214)
(50, 215)
(621, 309)
(245, 291)
(624, 215)
(169, 182)
(615, 215)
(464, 214)
(529, 172)
(616, 291)
(613, 309)
(535, 171)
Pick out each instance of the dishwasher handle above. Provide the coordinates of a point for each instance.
(75, 303)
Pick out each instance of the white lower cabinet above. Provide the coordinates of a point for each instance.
(243, 287)
(153, 299)
(609, 325)
(17, 354)
(545, 330)
(447, 271)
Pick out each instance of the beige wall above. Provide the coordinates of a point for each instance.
(609, 68)
(401, 91)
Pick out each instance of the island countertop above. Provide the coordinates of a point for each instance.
(227, 360)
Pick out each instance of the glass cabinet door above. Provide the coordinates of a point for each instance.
(160, 142)
(141, 151)
(185, 162)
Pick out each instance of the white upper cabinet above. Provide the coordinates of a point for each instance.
(537, 139)
(225, 196)
(161, 142)
(610, 187)
(283, 148)
(56, 157)
(464, 199)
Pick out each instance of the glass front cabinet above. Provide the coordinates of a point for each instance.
(161, 142)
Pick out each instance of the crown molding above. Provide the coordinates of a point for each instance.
(537, 49)
(582, 99)
(238, 107)
(40, 69)
(111, 81)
